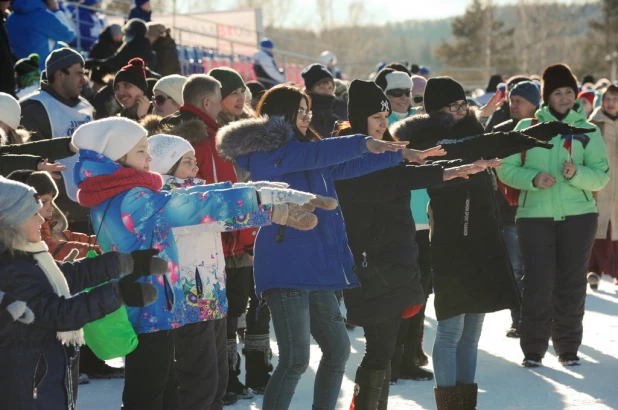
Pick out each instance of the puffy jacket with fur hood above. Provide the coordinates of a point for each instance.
(286, 257)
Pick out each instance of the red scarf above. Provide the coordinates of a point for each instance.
(95, 190)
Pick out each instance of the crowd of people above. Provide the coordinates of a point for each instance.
(171, 219)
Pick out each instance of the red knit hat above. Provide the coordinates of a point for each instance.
(588, 95)
(133, 73)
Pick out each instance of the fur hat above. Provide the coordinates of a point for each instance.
(166, 151)
(10, 110)
(172, 86)
(41, 181)
(18, 202)
(398, 79)
(557, 76)
(133, 73)
(113, 137)
(366, 99)
(440, 92)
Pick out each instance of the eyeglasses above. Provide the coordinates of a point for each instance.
(456, 107)
(418, 99)
(398, 92)
(305, 115)
(160, 99)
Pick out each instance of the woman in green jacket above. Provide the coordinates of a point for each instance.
(556, 221)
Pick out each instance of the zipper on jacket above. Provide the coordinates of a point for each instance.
(585, 195)
(525, 197)
(35, 385)
(366, 264)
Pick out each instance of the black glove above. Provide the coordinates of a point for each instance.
(516, 142)
(145, 263)
(136, 294)
(548, 130)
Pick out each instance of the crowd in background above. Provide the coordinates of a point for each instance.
(207, 207)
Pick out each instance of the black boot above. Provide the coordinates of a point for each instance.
(469, 393)
(421, 357)
(396, 364)
(257, 362)
(368, 388)
(409, 369)
(448, 398)
(386, 387)
(234, 385)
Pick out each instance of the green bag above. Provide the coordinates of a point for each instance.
(113, 335)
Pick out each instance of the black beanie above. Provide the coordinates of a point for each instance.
(557, 76)
(133, 73)
(315, 73)
(440, 92)
(380, 78)
(366, 99)
(39, 180)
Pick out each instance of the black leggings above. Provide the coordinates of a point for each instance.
(380, 343)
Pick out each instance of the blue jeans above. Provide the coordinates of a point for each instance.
(297, 315)
(455, 349)
(512, 246)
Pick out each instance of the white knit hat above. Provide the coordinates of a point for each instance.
(113, 137)
(10, 111)
(166, 150)
(398, 79)
(172, 86)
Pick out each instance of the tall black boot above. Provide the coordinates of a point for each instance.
(421, 357)
(368, 388)
(386, 388)
(396, 364)
(234, 386)
(469, 395)
(448, 398)
(257, 362)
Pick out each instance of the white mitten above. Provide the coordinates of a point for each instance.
(258, 185)
(273, 196)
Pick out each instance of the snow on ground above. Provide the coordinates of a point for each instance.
(503, 383)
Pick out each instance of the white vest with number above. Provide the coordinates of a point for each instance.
(64, 120)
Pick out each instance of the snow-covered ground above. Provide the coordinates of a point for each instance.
(504, 385)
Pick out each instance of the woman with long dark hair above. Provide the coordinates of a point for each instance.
(296, 272)
(381, 234)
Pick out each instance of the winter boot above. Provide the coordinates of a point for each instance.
(409, 369)
(569, 359)
(257, 362)
(593, 280)
(367, 389)
(532, 360)
(469, 393)
(513, 332)
(396, 364)
(233, 384)
(386, 387)
(421, 357)
(448, 398)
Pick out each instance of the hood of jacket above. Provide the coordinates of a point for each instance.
(92, 164)
(193, 131)
(28, 6)
(599, 116)
(152, 123)
(256, 134)
(435, 127)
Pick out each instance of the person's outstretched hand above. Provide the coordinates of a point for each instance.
(418, 157)
(547, 130)
(379, 147)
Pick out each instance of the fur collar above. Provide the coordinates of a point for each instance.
(152, 123)
(194, 131)
(255, 134)
(435, 127)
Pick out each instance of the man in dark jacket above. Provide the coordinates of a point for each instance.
(524, 101)
(164, 47)
(7, 58)
(320, 85)
(503, 113)
(108, 43)
(142, 10)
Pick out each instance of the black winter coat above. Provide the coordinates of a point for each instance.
(324, 118)
(138, 47)
(105, 46)
(30, 154)
(379, 224)
(7, 61)
(472, 271)
(167, 57)
(31, 356)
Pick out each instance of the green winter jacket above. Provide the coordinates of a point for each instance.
(565, 197)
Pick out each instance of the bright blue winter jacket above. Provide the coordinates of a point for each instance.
(140, 218)
(34, 29)
(286, 257)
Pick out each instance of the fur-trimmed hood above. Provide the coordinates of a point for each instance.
(424, 131)
(152, 123)
(194, 131)
(255, 134)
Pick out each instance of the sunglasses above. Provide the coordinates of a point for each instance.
(305, 115)
(418, 99)
(398, 92)
(160, 99)
(456, 107)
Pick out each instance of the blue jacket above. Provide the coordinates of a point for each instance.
(137, 13)
(35, 365)
(34, 29)
(286, 257)
(140, 218)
